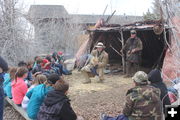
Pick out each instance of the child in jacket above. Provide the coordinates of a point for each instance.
(19, 87)
(40, 79)
(56, 105)
(37, 94)
(8, 78)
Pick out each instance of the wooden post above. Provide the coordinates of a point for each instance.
(123, 58)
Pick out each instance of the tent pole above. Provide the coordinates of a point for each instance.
(123, 57)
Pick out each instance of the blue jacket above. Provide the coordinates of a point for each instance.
(36, 96)
(7, 85)
(29, 76)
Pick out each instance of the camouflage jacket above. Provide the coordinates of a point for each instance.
(102, 58)
(129, 46)
(143, 103)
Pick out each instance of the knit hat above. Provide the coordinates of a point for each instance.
(60, 53)
(3, 64)
(53, 78)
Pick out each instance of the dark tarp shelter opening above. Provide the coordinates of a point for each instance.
(154, 46)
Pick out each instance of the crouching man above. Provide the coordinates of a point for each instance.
(97, 64)
(143, 101)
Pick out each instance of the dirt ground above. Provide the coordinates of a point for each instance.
(90, 100)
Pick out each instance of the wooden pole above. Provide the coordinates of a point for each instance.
(115, 50)
(123, 56)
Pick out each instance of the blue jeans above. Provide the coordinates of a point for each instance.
(1, 102)
(62, 69)
(120, 117)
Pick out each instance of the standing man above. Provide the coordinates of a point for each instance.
(143, 101)
(132, 50)
(97, 63)
(3, 68)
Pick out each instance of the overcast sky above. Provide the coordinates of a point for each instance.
(129, 7)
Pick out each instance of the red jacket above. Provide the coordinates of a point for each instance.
(19, 89)
(45, 61)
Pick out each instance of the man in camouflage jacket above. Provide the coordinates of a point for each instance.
(132, 50)
(143, 101)
(99, 61)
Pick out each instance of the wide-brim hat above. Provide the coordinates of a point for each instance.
(100, 45)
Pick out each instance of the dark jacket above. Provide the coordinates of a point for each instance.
(29, 76)
(157, 81)
(56, 106)
(3, 64)
(133, 43)
(37, 69)
(4, 67)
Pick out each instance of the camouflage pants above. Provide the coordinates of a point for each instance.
(87, 73)
(131, 68)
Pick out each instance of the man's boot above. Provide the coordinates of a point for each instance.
(100, 77)
(87, 79)
(100, 81)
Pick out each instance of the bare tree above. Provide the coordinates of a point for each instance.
(14, 45)
(157, 9)
(17, 41)
(149, 16)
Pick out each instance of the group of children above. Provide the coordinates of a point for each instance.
(39, 90)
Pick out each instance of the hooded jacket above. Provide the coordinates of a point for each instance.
(157, 81)
(56, 106)
(36, 97)
(7, 85)
(4, 67)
